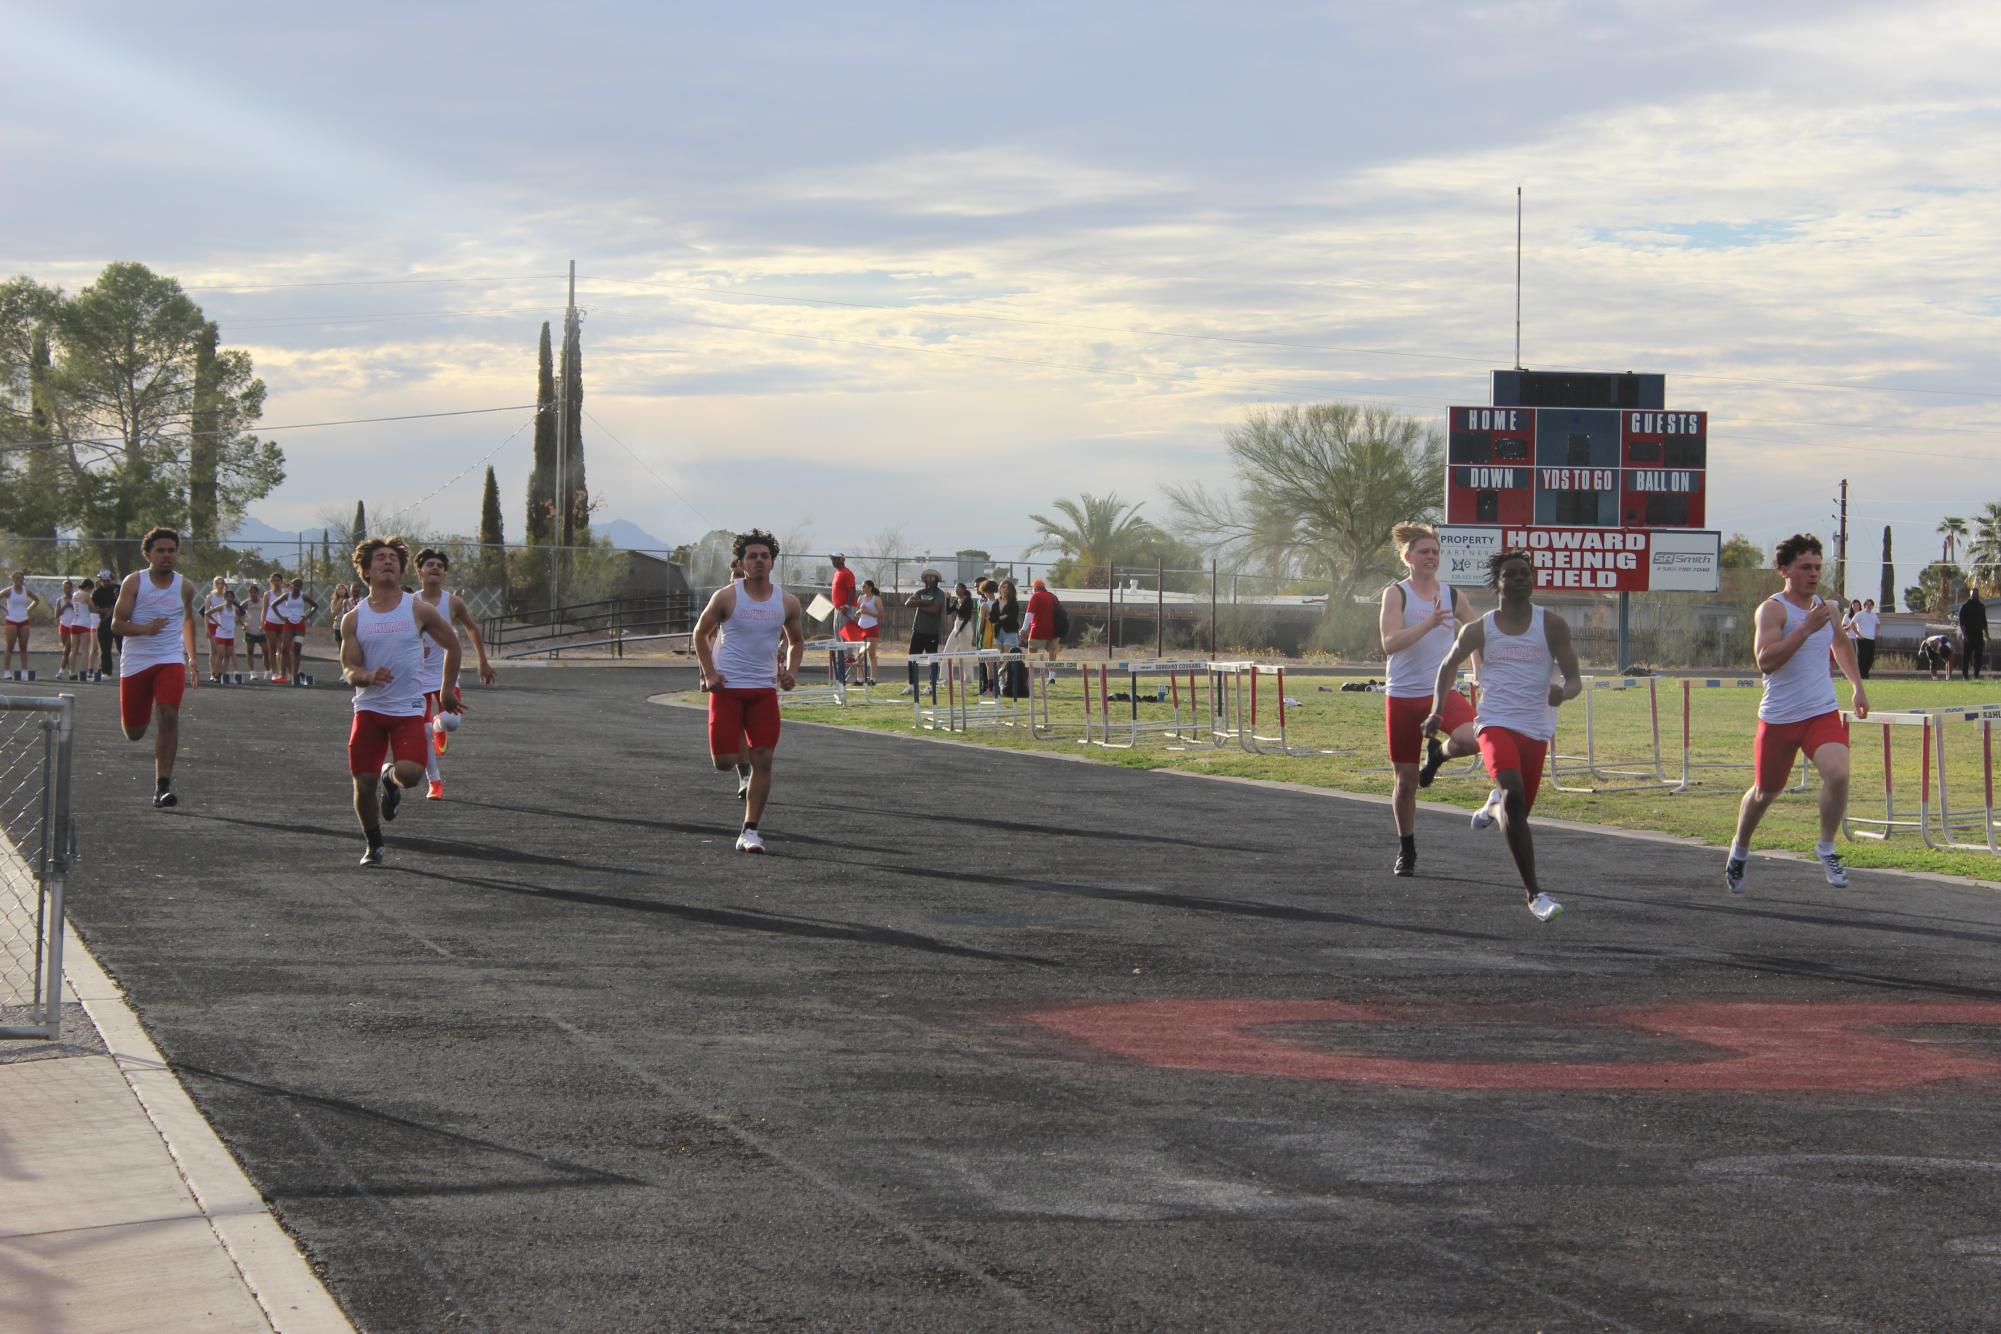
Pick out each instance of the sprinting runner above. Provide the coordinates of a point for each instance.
(431, 568)
(21, 602)
(298, 603)
(277, 629)
(737, 640)
(1795, 634)
(1520, 647)
(382, 657)
(1418, 621)
(156, 615)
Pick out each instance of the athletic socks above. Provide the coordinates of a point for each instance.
(750, 824)
(431, 765)
(161, 785)
(1819, 850)
(1740, 853)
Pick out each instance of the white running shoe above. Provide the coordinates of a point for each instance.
(1484, 817)
(1734, 871)
(750, 841)
(1544, 907)
(1831, 867)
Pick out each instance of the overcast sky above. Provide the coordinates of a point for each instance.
(849, 269)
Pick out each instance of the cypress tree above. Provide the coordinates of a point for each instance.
(1886, 598)
(577, 504)
(542, 480)
(489, 514)
(205, 441)
(359, 533)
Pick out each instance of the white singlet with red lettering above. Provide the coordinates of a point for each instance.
(1413, 670)
(1515, 672)
(1801, 689)
(434, 653)
(391, 639)
(154, 603)
(747, 646)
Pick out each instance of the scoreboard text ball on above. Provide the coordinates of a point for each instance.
(1605, 497)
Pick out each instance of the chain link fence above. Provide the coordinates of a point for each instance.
(37, 847)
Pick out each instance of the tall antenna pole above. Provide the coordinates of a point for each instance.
(1518, 277)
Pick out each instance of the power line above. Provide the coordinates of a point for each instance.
(307, 426)
(649, 467)
(481, 459)
(373, 282)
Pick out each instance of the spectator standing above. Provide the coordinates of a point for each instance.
(1972, 636)
(1867, 622)
(927, 627)
(1043, 636)
(255, 641)
(102, 599)
(1011, 680)
(959, 609)
(841, 592)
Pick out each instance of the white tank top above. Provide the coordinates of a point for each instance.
(66, 613)
(274, 608)
(1515, 672)
(295, 609)
(156, 650)
(17, 604)
(391, 639)
(866, 608)
(1802, 688)
(225, 621)
(1413, 671)
(747, 647)
(434, 655)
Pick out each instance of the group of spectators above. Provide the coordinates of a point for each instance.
(1937, 652)
(966, 619)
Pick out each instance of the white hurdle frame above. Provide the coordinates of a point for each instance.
(963, 707)
(1857, 827)
(1185, 725)
(1599, 777)
(1691, 684)
(1949, 820)
(833, 690)
(1230, 723)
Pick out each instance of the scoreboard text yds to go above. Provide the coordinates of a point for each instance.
(1601, 560)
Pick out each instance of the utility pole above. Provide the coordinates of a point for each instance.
(1841, 546)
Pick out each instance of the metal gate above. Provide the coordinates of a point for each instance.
(37, 847)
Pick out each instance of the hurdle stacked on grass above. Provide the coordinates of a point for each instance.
(1234, 718)
(1183, 725)
(833, 690)
(980, 688)
(1932, 725)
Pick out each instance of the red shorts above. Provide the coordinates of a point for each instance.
(17, 622)
(138, 693)
(1779, 744)
(1503, 749)
(274, 627)
(851, 632)
(738, 714)
(223, 639)
(1403, 723)
(375, 735)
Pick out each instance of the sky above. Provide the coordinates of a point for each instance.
(855, 272)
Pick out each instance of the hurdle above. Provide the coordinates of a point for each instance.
(1950, 821)
(1234, 688)
(1182, 726)
(1590, 774)
(834, 690)
(1857, 827)
(1689, 764)
(964, 706)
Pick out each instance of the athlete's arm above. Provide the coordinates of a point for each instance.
(461, 616)
(128, 602)
(430, 622)
(1774, 648)
(1844, 657)
(712, 618)
(1557, 631)
(1472, 638)
(351, 668)
(188, 631)
(1390, 624)
(34, 599)
(795, 644)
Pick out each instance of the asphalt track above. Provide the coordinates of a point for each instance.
(996, 1042)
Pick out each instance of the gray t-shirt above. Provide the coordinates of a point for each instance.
(930, 618)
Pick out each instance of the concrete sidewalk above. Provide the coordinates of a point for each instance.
(119, 1207)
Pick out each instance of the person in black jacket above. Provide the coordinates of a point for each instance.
(1972, 636)
(103, 598)
(1007, 638)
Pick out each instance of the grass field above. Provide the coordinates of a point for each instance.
(1350, 724)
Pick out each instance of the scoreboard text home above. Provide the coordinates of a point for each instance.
(1577, 467)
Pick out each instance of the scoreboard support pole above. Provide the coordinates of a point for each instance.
(1625, 633)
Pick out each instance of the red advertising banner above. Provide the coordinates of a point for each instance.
(1605, 560)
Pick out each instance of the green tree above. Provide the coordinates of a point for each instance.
(1318, 490)
(1952, 533)
(1983, 554)
(542, 478)
(576, 519)
(204, 434)
(1886, 593)
(1741, 553)
(357, 532)
(1095, 533)
(490, 533)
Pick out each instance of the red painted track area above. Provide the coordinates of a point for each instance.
(1761, 1046)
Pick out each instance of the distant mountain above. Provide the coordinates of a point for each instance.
(629, 536)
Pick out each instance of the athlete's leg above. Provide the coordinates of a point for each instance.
(1515, 828)
(167, 742)
(1831, 759)
(1403, 800)
(760, 785)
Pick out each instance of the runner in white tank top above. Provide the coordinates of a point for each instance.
(155, 612)
(277, 629)
(298, 602)
(1417, 622)
(1796, 633)
(382, 657)
(1522, 647)
(432, 566)
(737, 640)
(21, 602)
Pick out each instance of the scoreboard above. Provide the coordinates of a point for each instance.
(1609, 498)
(1577, 467)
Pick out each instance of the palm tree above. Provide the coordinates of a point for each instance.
(1095, 531)
(1983, 554)
(1953, 531)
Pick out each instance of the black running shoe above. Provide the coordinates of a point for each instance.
(162, 800)
(373, 857)
(1406, 863)
(1434, 755)
(392, 796)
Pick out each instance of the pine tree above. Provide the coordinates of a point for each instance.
(489, 515)
(37, 504)
(204, 440)
(1886, 598)
(359, 533)
(577, 511)
(542, 480)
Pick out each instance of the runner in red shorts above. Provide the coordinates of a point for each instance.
(382, 657)
(737, 640)
(1795, 634)
(1419, 618)
(155, 612)
(1521, 647)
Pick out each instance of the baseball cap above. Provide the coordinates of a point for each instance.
(837, 555)
(104, 574)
